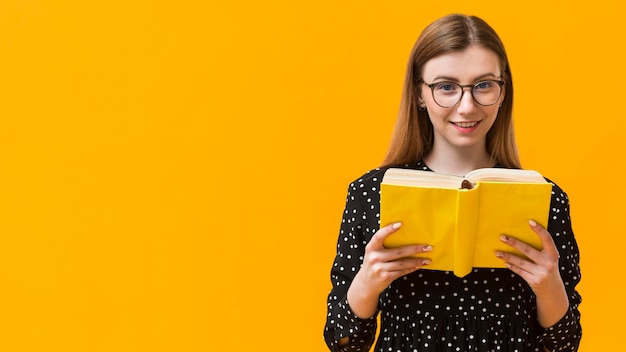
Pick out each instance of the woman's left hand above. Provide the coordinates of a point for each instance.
(541, 272)
(541, 269)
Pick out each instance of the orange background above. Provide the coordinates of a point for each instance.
(173, 172)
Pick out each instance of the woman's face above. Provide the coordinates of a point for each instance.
(466, 123)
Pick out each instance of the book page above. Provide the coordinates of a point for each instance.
(502, 174)
(421, 178)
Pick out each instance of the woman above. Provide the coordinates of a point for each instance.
(455, 116)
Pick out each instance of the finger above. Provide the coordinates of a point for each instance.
(377, 240)
(524, 274)
(526, 249)
(546, 239)
(389, 271)
(383, 254)
(406, 264)
(520, 264)
(405, 251)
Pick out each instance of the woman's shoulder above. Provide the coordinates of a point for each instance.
(558, 194)
(375, 176)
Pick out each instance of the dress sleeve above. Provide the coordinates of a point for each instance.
(565, 335)
(341, 321)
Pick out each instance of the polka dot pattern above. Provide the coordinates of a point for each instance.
(487, 310)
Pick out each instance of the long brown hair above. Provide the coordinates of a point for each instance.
(413, 136)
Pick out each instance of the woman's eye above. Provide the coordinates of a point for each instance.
(484, 85)
(446, 86)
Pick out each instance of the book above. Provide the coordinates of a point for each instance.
(464, 217)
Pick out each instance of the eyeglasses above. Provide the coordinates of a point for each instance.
(448, 94)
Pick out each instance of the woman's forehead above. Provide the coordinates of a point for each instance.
(472, 63)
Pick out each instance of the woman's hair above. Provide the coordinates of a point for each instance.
(413, 136)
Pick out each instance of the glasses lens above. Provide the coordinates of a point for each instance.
(486, 92)
(447, 94)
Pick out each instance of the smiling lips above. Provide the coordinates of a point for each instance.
(466, 124)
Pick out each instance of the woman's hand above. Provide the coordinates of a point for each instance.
(381, 266)
(541, 272)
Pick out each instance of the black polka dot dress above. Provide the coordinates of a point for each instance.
(428, 310)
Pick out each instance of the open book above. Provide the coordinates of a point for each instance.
(463, 217)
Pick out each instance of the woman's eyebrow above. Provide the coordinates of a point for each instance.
(453, 79)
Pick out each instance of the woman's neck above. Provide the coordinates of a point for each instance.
(458, 162)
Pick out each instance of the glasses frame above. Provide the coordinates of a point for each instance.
(463, 86)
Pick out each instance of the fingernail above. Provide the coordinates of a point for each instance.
(532, 223)
(426, 261)
(396, 225)
(504, 238)
(499, 255)
(428, 248)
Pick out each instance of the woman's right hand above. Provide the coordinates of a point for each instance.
(381, 266)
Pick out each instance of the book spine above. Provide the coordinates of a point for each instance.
(465, 232)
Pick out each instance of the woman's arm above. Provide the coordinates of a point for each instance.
(553, 274)
(541, 273)
(342, 325)
(362, 269)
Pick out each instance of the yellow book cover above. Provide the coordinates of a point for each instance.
(464, 217)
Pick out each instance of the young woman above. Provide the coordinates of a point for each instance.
(455, 116)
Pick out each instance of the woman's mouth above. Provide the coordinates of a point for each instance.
(466, 124)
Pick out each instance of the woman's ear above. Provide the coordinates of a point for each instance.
(421, 105)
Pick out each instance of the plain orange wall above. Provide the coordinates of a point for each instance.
(173, 172)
